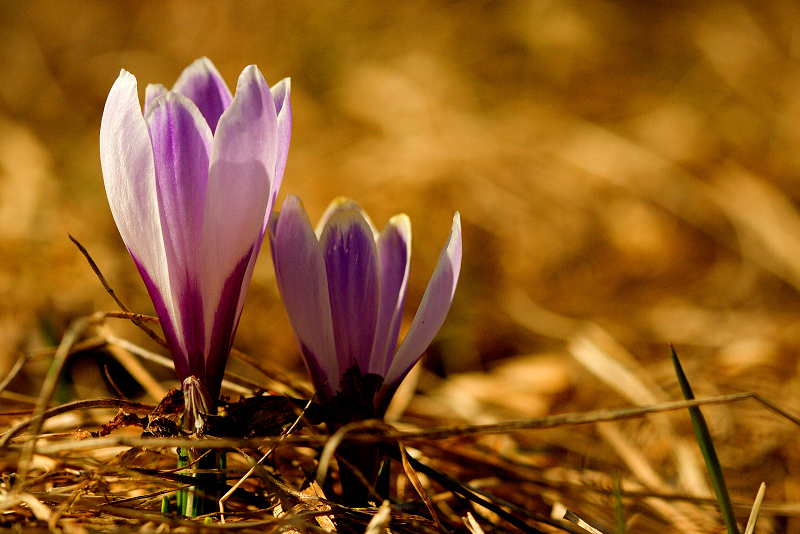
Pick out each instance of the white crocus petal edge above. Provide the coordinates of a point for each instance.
(126, 158)
(303, 284)
(281, 94)
(340, 204)
(153, 91)
(430, 315)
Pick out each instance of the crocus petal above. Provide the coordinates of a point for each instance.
(351, 260)
(302, 280)
(126, 157)
(191, 184)
(203, 85)
(224, 318)
(342, 204)
(181, 141)
(238, 194)
(394, 255)
(430, 315)
(153, 91)
(280, 94)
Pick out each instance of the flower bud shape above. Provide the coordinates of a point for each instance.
(344, 287)
(191, 183)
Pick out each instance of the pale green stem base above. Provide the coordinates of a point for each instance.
(203, 497)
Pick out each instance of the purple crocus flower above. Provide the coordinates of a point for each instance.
(344, 286)
(191, 184)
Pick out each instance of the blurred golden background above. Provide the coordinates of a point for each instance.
(627, 175)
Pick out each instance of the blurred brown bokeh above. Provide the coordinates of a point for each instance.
(630, 166)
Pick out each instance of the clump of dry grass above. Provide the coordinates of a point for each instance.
(79, 467)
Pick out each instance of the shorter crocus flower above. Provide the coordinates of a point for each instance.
(344, 287)
(191, 183)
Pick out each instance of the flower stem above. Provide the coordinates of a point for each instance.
(202, 498)
(208, 464)
(358, 472)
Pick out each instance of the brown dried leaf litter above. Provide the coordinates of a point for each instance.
(90, 469)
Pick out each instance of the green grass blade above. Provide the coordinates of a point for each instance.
(619, 508)
(166, 508)
(707, 448)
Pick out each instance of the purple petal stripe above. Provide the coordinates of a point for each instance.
(226, 319)
(162, 304)
(351, 261)
(191, 326)
(203, 85)
(181, 143)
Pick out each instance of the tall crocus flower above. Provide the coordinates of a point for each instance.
(344, 286)
(191, 183)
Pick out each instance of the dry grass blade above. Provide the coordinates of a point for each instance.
(13, 372)
(143, 509)
(583, 418)
(608, 360)
(52, 523)
(37, 420)
(259, 462)
(569, 515)
(40, 511)
(481, 498)
(133, 317)
(130, 316)
(380, 521)
(433, 434)
(418, 487)
(275, 375)
(361, 429)
(472, 525)
(75, 330)
(751, 521)
(768, 213)
(238, 517)
(167, 362)
(138, 372)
